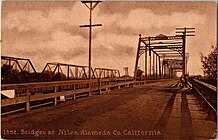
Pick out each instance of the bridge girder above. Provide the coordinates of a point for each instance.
(67, 71)
(21, 67)
(52, 71)
(106, 73)
(162, 47)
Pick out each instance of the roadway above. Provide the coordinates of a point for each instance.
(152, 111)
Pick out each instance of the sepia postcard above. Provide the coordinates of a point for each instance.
(108, 69)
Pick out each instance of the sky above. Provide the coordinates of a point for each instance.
(49, 31)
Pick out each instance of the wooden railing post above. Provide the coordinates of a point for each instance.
(99, 86)
(108, 87)
(74, 96)
(118, 87)
(74, 88)
(134, 84)
(106, 84)
(55, 99)
(89, 88)
(127, 85)
(86, 86)
(28, 100)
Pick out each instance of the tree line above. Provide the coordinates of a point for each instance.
(14, 76)
(209, 66)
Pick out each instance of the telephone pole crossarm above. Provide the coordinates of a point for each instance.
(185, 32)
(90, 25)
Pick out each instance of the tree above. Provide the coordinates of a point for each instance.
(9, 75)
(59, 76)
(209, 64)
(46, 76)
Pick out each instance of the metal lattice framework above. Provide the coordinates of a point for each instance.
(106, 73)
(173, 66)
(22, 66)
(67, 70)
(161, 47)
(172, 63)
(21, 70)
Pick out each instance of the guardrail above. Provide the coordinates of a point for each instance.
(206, 91)
(31, 95)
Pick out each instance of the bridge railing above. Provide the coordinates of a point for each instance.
(31, 95)
(206, 91)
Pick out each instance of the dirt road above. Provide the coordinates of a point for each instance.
(152, 111)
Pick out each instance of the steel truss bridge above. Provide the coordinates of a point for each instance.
(24, 71)
(169, 49)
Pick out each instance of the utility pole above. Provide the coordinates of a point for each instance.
(91, 7)
(185, 32)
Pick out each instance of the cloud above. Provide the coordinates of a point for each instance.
(62, 47)
(55, 36)
(137, 19)
(114, 51)
(30, 20)
(146, 19)
(112, 39)
(27, 21)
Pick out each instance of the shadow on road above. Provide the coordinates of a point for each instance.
(186, 120)
(162, 122)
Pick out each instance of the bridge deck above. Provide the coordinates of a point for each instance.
(155, 110)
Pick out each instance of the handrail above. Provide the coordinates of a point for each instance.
(206, 91)
(31, 95)
(18, 100)
(206, 85)
(58, 83)
(56, 91)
